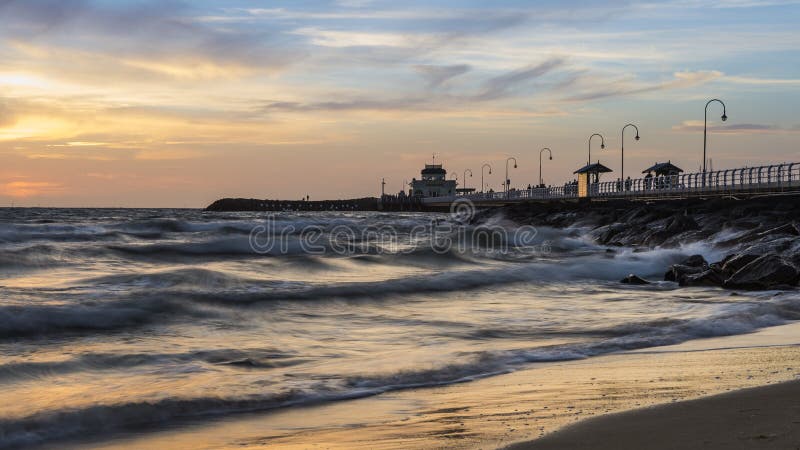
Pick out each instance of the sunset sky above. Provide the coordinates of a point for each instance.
(168, 103)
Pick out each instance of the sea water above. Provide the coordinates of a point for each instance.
(118, 321)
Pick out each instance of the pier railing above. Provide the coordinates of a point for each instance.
(770, 178)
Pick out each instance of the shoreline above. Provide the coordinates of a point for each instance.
(765, 417)
(508, 409)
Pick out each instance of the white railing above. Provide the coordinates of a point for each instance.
(776, 177)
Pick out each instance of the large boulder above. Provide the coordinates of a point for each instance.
(695, 261)
(734, 262)
(605, 233)
(676, 271)
(680, 223)
(692, 265)
(710, 277)
(790, 229)
(765, 272)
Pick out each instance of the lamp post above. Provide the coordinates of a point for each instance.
(541, 183)
(705, 129)
(508, 182)
(490, 172)
(465, 178)
(602, 145)
(622, 157)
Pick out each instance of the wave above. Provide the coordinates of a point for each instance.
(47, 320)
(584, 268)
(175, 293)
(194, 278)
(64, 424)
(230, 246)
(236, 358)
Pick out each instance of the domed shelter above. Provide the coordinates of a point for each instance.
(664, 169)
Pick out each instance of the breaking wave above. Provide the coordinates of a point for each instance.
(61, 424)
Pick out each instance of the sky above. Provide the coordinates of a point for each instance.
(177, 103)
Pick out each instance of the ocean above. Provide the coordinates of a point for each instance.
(128, 321)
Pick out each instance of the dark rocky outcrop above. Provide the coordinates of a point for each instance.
(709, 277)
(692, 265)
(762, 250)
(735, 261)
(764, 272)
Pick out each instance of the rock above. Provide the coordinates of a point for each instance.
(770, 245)
(765, 272)
(677, 271)
(633, 279)
(606, 233)
(680, 223)
(708, 277)
(695, 261)
(734, 262)
(789, 228)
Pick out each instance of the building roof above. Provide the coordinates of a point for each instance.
(665, 167)
(593, 168)
(433, 169)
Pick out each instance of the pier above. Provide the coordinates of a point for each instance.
(746, 181)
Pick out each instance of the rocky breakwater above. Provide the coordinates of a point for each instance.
(760, 237)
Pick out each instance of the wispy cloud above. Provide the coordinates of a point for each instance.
(437, 75)
(501, 85)
(163, 33)
(627, 87)
(694, 126)
(763, 81)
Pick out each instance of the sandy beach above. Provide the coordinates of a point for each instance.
(765, 418)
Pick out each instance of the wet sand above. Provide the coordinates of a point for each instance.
(765, 418)
(498, 411)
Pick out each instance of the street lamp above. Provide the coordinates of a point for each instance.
(508, 182)
(465, 178)
(705, 128)
(541, 183)
(602, 145)
(490, 172)
(622, 157)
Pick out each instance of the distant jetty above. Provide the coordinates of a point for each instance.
(388, 203)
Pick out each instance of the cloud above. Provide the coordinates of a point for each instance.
(153, 33)
(354, 3)
(437, 75)
(722, 4)
(762, 81)
(7, 118)
(494, 88)
(501, 85)
(628, 87)
(23, 189)
(402, 103)
(695, 126)
(343, 39)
